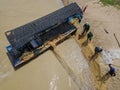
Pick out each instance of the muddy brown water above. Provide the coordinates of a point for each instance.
(45, 72)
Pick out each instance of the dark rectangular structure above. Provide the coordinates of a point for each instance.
(32, 36)
(23, 34)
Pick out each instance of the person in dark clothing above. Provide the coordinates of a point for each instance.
(97, 51)
(89, 36)
(109, 74)
(86, 28)
(79, 16)
(112, 70)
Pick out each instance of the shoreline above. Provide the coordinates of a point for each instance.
(87, 51)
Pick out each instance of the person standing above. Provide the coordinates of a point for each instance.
(86, 28)
(89, 36)
(97, 51)
(112, 70)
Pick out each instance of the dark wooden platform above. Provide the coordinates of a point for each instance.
(23, 34)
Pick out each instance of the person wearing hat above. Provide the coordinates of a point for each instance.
(112, 70)
(97, 51)
(86, 28)
(89, 36)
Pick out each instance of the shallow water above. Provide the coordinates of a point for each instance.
(44, 73)
(15, 13)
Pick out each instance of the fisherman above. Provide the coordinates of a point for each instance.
(97, 51)
(86, 28)
(111, 71)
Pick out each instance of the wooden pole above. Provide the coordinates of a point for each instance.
(117, 40)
